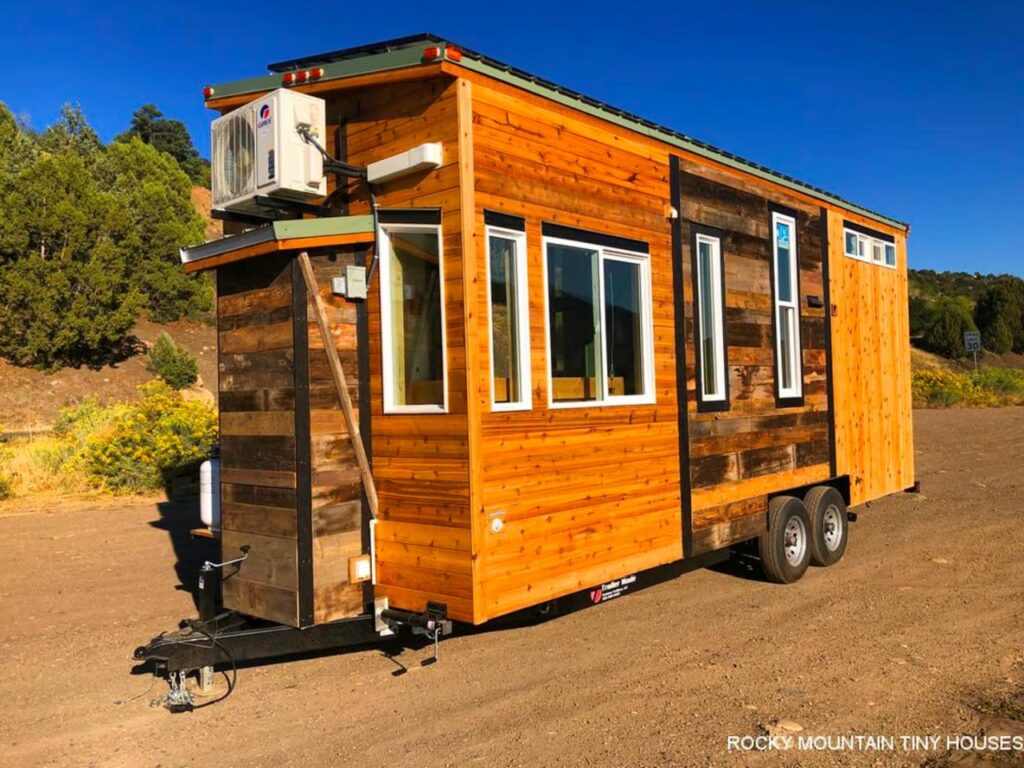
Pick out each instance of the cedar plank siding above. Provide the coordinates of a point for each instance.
(420, 461)
(871, 366)
(589, 494)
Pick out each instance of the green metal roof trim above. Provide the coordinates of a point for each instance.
(407, 51)
(279, 230)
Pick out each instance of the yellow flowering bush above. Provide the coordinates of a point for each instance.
(146, 443)
(985, 388)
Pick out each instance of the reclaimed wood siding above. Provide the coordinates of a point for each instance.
(336, 488)
(257, 437)
(588, 494)
(420, 461)
(739, 456)
(871, 365)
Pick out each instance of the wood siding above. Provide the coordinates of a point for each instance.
(587, 494)
(871, 364)
(420, 461)
(754, 448)
(257, 437)
(336, 488)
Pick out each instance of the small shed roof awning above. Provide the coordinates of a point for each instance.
(299, 234)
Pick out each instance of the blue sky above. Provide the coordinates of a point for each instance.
(912, 109)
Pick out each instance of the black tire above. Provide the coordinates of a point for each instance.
(787, 522)
(830, 527)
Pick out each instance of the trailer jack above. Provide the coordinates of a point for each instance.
(431, 623)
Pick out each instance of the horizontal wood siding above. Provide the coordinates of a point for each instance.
(753, 448)
(256, 385)
(420, 462)
(871, 365)
(587, 494)
(335, 483)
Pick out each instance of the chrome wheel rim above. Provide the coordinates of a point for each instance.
(795, 540)
(832, 528)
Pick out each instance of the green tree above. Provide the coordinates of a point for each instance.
(17, 151)
(1002, 301)
(65, 296)
(998, 337)
(945, 334)
(158, 195)
(173, 363)
(71, 133)
(171, 136)
(920, 315)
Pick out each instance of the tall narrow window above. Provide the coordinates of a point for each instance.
(623, 326)
(599, 322)
(710, 325)
(574, 320)
(890, 255)
(412, 319)
(788, 367)
(509, 319)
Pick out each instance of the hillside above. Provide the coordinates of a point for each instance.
(31, 399)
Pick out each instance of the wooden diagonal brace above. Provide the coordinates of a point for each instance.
(339, 382)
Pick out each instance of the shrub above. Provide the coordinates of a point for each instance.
(987, 387)
(997, 336)
(173, 363)
(945, 333)
(149, 442)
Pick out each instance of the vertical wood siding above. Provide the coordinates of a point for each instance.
(871, 364)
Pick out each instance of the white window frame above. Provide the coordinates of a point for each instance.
(386, 326)
(797, 389)
(881, 251)
(865, 248)
(643, 260)
(717, 319)
(522, 329)
(895, 255)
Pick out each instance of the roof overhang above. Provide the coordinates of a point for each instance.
(296, 235)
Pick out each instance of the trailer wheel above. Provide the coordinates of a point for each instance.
(785, 547)
(829, 524)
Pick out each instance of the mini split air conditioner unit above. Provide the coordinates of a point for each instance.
(258, 151)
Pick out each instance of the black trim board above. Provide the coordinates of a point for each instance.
(593, 238)
(504, 221)
(303, 469)
(711, 406)
(847, 224)
(829, 383)
(365, 423)
(431, 216)
(679, 310)
(786, 402)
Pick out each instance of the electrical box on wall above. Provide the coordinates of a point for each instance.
(352, 285)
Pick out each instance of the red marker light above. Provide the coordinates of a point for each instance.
(302, 76)
(453, 53)
(287, 78)
(432, 52)
(207, 91)
(316, 73)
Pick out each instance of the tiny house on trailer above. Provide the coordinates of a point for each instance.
(578, 346)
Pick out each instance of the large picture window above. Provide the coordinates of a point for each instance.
(509, 319)
(712, 390)
(785, 266)
(412, 318)
(599, 324)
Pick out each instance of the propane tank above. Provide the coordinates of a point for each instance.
(209, 493)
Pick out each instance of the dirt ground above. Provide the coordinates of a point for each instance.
(918, 631)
